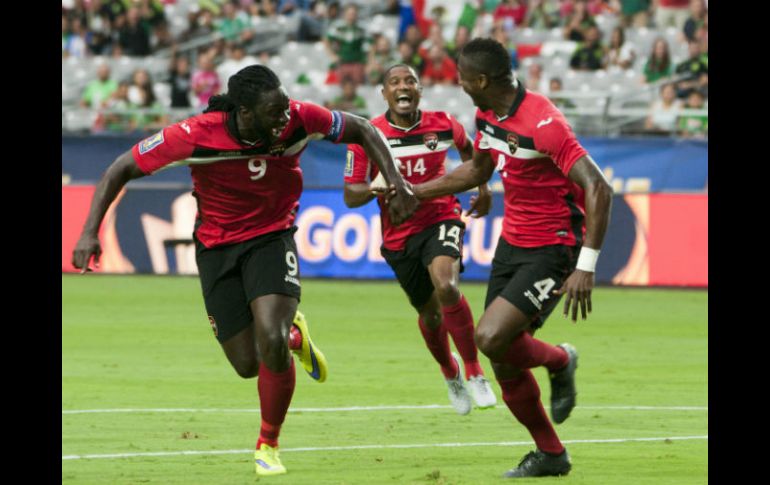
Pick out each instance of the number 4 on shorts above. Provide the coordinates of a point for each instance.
(543, 288)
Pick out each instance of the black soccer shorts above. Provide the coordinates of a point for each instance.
(233, 275)
(411, 264)
(526, 277)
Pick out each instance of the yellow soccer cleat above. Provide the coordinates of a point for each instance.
(267, 462)
(311, 358)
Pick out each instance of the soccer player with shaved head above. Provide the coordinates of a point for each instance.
(557, 208)
(426, 251)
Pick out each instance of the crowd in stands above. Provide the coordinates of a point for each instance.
(117, 28)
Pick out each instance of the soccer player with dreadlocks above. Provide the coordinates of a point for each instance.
(243, 153)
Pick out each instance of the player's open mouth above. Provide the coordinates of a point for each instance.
(279, 130)
(404, 101)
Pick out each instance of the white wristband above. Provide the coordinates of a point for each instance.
(587, 259)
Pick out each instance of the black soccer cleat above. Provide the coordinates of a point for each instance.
(540, 464)
(563, 387)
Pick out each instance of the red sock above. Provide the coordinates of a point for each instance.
(295, 338)
(275, 391)
(437, 342)
(459, 322)
(522, 396)
(526, 352)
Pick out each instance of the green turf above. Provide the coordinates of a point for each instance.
(145, 342)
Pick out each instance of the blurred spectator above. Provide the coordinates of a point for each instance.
(75, 42)
(541, 15)
(413, 37)
(234, 25)
(439, 68)
(691, 70)
(697, 21)
(664, 111)
(140, 81)
(289, 7)
(408, 56)
(511, 12)
(659, 64)
(205, 82)
(462, 37)
(671, 13)
(181, 83)
(380, 59)
(554, 87)
(134, 36)
(99, 90)
(314, 23)
(534, 80)
(589, 55)
(435, 37)
(201, 24)
(349, 99)
(694, 125)
(116, 117)
(236, 60)
(620, 53)
(501, 35)
(578, 22)
(149, 114)
(347, 44)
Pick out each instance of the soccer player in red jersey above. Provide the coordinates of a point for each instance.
(243, 153)
(425, 252)
(557, 207)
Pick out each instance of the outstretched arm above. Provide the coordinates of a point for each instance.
(359, 131)
(481, 203)
(598, 202)
(357, 195)
(468, 175)
(122, 170)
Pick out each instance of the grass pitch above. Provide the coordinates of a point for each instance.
(139, 355)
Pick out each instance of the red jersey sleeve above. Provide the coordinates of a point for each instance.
(357, 165)
(318, 120)
(554, 137)
(172, 144)
(458, 132)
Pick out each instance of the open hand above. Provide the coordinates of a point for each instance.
(578, 290)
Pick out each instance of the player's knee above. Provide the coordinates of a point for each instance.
(274, 350)
(489, 342)
(246, 368)
(448, 293)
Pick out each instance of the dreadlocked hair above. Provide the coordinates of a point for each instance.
(244, 89)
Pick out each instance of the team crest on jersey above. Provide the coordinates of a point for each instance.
(149, 143)
(430, 140)
(213, 325)
(513, 142)
(276, 150)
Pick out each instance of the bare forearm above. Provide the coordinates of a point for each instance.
(598, 204)
(357, 195)
(464, 177)
(359, 131)
(110, 185)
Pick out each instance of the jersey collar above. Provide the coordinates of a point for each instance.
(415, 125)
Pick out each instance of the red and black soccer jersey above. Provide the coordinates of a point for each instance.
(420, 151)
(535, 148)
(243, 190)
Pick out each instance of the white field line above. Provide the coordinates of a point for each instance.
(360, 408)
(378, 447)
